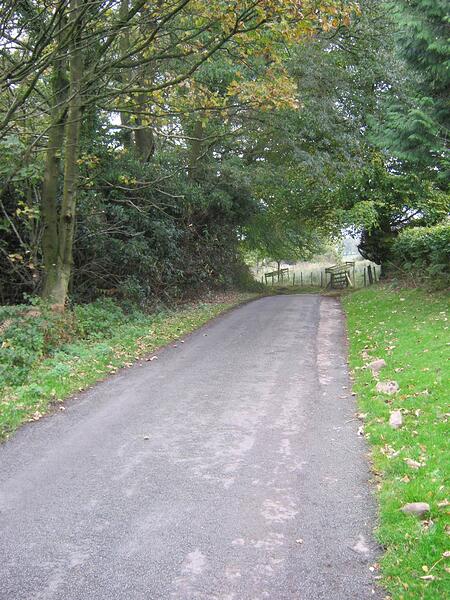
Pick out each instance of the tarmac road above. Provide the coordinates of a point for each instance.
(229, 469)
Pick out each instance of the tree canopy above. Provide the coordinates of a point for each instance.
(143, 145)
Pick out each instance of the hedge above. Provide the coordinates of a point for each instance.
(424, 251)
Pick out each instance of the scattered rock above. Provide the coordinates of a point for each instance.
(387, 387)
(396, 419)
(413, 463)
(417, 509)
(376, 365)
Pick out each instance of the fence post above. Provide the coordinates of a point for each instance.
(301, 277)
(365, 281)
(293, 279)
(370, 275)
(321, 279)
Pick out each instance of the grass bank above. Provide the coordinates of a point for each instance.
(409, 330)
(46, 357)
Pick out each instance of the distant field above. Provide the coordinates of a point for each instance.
(313, 273)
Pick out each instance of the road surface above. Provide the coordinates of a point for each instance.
(229, 469)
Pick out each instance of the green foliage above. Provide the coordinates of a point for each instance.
(416, 126)
(264, 146)
(424, 252)
(26, 335)
(150, 244)
(29, 334)
(408, 328)
(379, 203)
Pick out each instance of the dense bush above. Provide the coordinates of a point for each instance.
(424, 252)
(141, 243)
(149, 245)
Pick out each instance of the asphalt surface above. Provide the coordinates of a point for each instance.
(252, 484)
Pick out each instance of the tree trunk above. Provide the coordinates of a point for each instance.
(60, 270)
(196, 151)
(124, 45)
(49, 196)
(143, 136)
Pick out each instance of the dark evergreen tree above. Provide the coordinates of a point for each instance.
(417, 122)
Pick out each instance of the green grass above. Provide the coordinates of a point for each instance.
(409, 329)
(77, 364)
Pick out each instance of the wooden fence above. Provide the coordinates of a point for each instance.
(337, 276)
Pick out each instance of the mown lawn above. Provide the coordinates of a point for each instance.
(410, 330)
(41, 364)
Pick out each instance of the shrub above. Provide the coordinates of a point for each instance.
(29, 333)
(97, 319)
(26, 335)
(424, 252)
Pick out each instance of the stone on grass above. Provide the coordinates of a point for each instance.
(396, 420)
(387, 387)
(413, 464)
(417, 509)
(376, 365)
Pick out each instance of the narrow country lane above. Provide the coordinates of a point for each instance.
(228, 469)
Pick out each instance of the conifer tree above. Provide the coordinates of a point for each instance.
(418, 119)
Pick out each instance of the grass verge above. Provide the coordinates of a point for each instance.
(409, 330)
(72, 366)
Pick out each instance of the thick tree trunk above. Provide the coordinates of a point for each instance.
(61, 243)
(124, 45)
(49, 206)
(50, 186)
(143, 136)
(196, 151)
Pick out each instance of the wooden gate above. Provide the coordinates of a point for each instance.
(340, 275)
